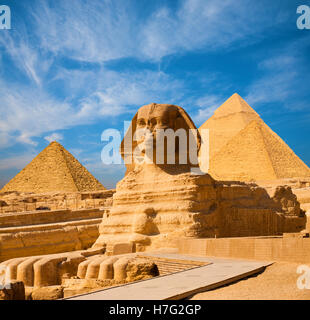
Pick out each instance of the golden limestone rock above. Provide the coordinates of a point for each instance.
(53, 169)
(156, 204)
(78, 271)
(15, 290)
(256, 153)
(232, 116)
(244, 148)
(160, 201)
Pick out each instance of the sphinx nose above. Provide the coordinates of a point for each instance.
(149, 127)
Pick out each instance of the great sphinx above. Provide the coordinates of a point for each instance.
(162, 198)
(157, 202)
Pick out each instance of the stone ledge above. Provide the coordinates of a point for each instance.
(293, 249)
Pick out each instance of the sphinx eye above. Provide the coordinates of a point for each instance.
(153, 121)
(162, 123)
(141, 122)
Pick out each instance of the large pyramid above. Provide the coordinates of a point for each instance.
(232, 116)
(244, 148)
(53, 169)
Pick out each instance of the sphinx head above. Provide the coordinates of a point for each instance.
(162, 135)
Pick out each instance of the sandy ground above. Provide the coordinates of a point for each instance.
(277, 282)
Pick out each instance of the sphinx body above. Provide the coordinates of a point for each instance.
(157, 204)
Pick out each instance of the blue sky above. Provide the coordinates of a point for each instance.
(71, 69)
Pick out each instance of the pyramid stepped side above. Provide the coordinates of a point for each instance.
(53, 169)
(83, 179)
(241, 159)
(231, 117)
(46, 172)
(285, 162)
(257, 153)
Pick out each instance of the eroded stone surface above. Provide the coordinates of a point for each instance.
(15, 291)
(47, 293)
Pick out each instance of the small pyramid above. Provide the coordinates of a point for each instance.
(231, 117)
(53, 169)
(256, 153)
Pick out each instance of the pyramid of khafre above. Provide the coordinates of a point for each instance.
(232, 116)
(243, 147)
(53, 169)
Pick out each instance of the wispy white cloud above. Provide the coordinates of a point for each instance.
(99, 31)
(30, 111)
(208, 25)
(108, 30)
(283, 78)
(25, 57)
(54, 137)
(206, 106)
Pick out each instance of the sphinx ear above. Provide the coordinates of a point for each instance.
(128, 137)
(128, 145)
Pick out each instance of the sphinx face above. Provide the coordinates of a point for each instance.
(150, 119)
(160, 134)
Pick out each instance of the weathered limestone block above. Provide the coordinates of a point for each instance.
(42, 239)
(12, 266)
(286, 200)
(47, 293)
(141, 269)
(15, 291)
(50, 201)
(79, 286)
(120, 248)
(47, 270)
(106, 270)
(93, 267)
(69, 266)
(25, 271)
(118, 268)
(3, 203)
(144, 211)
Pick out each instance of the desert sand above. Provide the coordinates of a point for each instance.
(277, 282)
